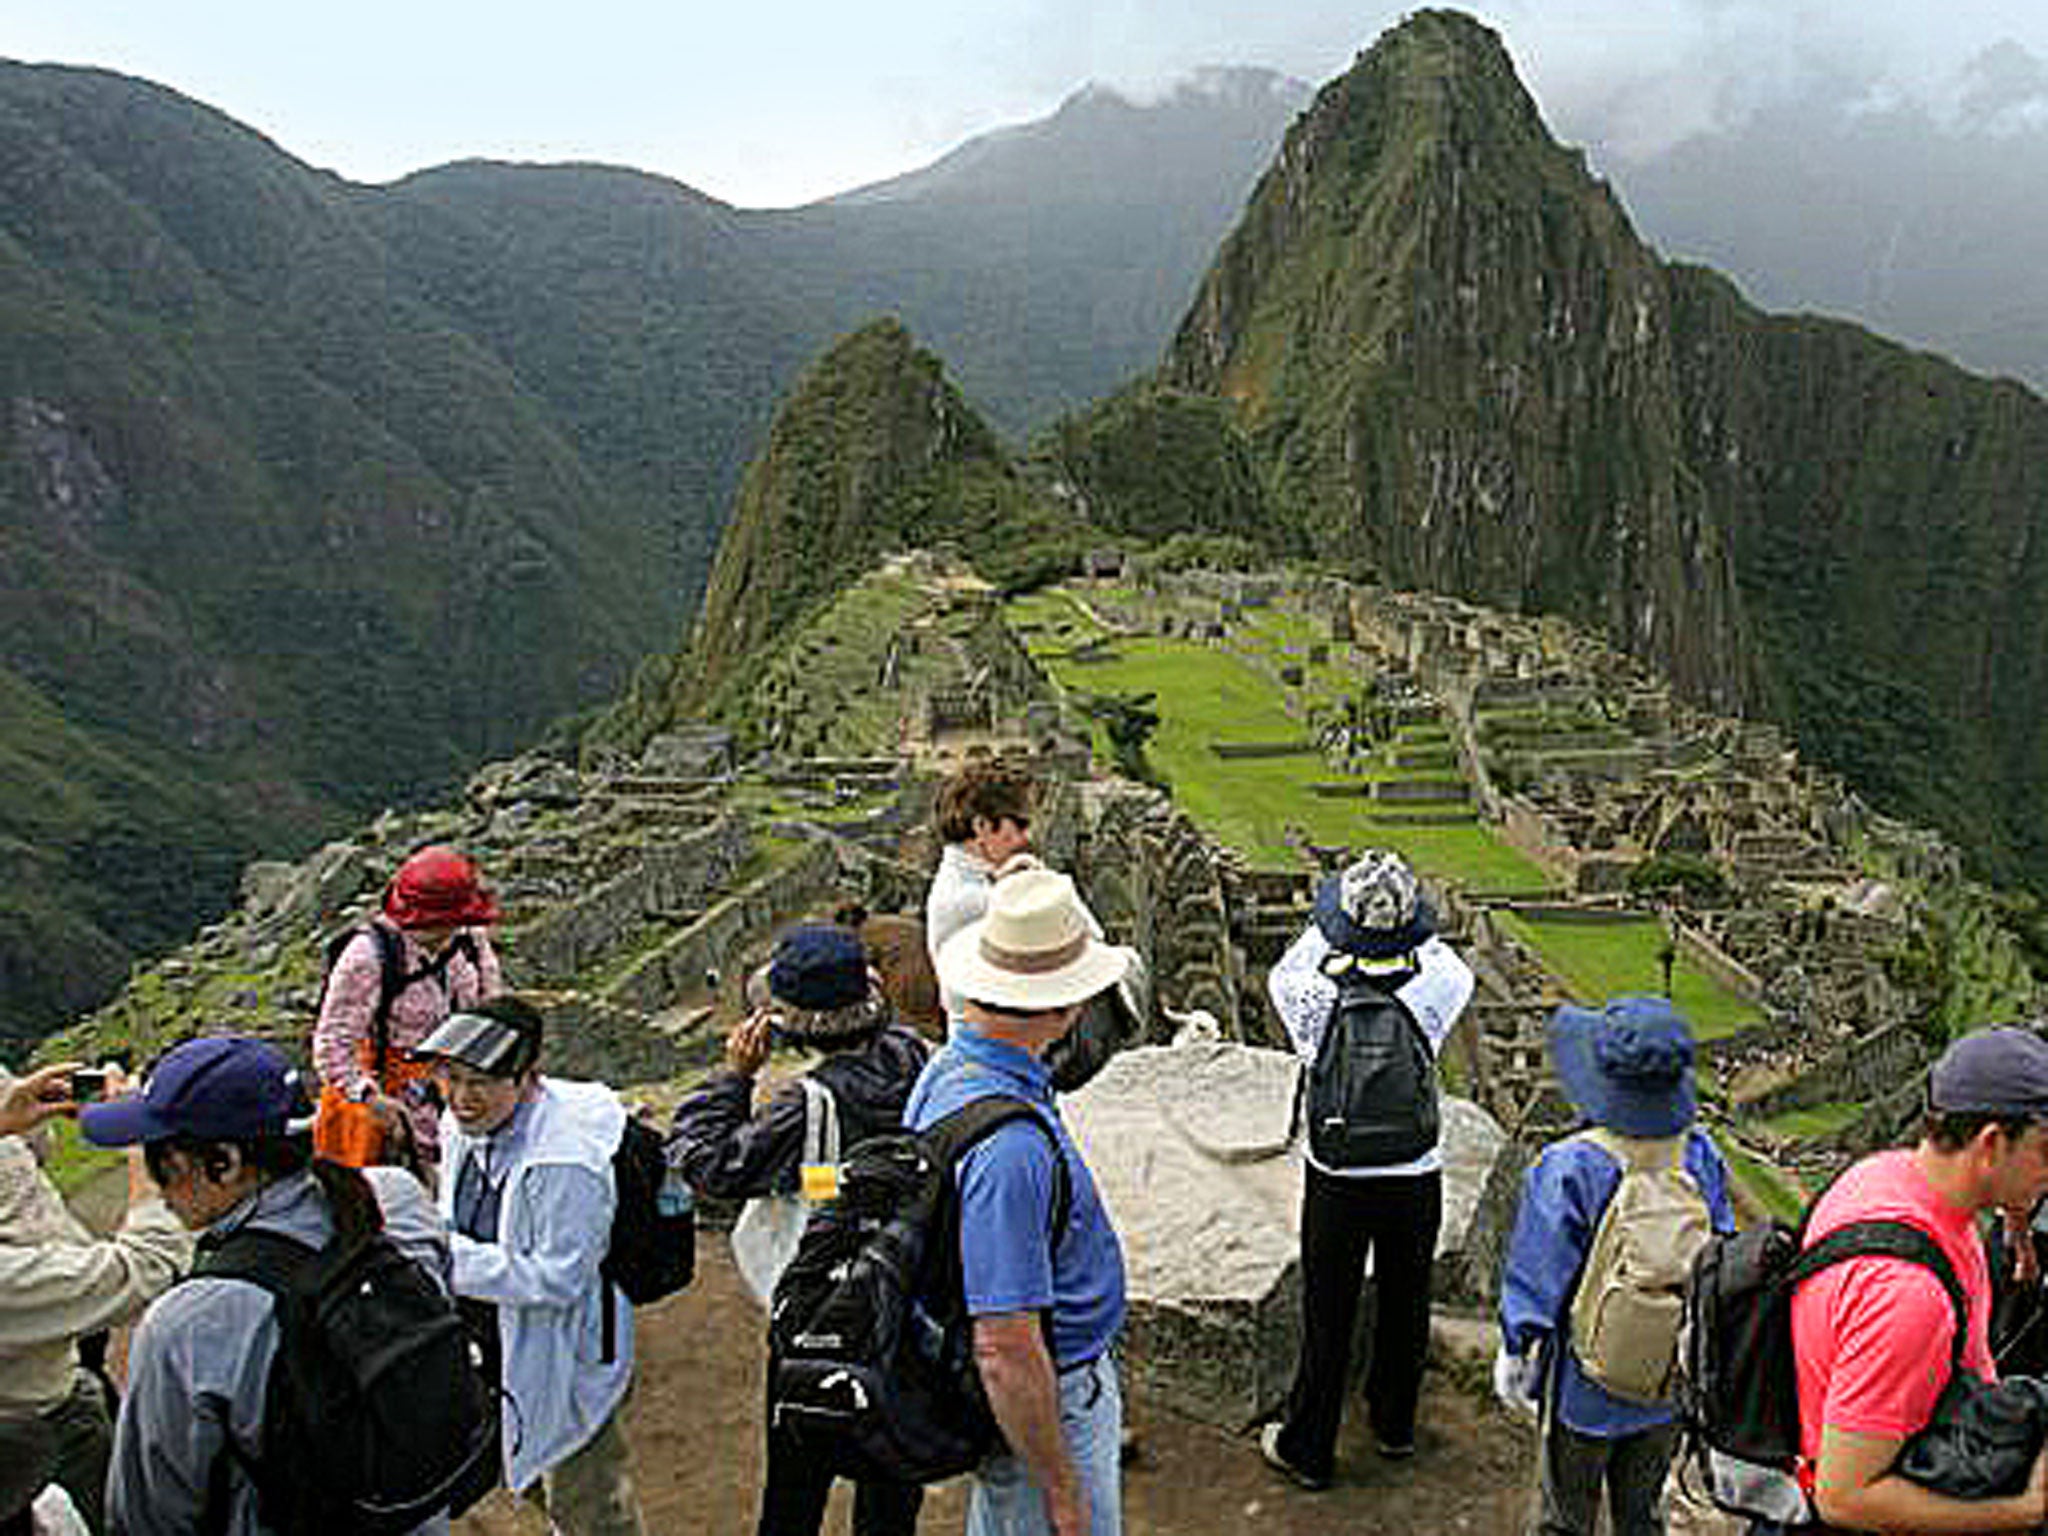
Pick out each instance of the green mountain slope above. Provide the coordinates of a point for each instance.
(1460, 369)
(874, 450)
(312, 494)
(268, 521)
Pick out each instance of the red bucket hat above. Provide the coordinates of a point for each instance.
(438, 888)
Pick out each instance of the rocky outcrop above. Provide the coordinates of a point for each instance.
(1191, 1147)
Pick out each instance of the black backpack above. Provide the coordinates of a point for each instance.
(653, 1247)
(1738, 1393)
(376, 1414)
(1370, 1097)
(871, 1348)
(393, 978)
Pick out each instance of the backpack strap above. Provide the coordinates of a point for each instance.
(953, 1136)
(821, 1121)
(394, 979)
(1890, 1240)
(390, 982)
(280, 1265)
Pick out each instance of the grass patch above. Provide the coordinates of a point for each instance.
(1207, 694)
(1596, 961)
(1772, 1190)
(72, 1162)
(1815, 1122)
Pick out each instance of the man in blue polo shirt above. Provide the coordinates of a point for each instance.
(1046, 1305)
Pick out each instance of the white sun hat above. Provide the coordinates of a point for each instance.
(1032, 951)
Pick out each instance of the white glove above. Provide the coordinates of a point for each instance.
(1518, 1380)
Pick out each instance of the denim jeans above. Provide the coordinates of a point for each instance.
(1005, 1502)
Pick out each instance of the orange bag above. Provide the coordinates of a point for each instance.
(346, 1130)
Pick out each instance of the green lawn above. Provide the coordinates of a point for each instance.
(1205, 694)
(1598, 960)
(1818, 1121)
(1772, 1189)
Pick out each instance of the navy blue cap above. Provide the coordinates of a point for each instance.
(820, 967)
(1999, 1071)
(1627, 1065)
(220, 1088)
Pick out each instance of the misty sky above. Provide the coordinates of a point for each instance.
(778, 103)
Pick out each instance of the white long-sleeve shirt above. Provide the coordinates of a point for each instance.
(1303, 996)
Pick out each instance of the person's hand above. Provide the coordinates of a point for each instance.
(1518, 1380)
(28, 1101)
(2036, 1496)
(747, 1047)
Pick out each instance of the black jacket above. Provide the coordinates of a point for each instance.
(728, 1150)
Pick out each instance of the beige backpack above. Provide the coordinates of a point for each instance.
(1631, 1294)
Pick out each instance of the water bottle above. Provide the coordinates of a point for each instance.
(675, 1197)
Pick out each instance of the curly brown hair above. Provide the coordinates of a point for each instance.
(994, 789)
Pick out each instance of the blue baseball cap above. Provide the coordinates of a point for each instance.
(220, 1088)
(1627, 1065)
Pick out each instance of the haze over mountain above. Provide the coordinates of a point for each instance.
(1918, 215)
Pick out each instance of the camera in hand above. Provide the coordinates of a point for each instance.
(88, 1083)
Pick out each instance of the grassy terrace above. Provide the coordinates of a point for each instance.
(1598, 960)
(1207, 694)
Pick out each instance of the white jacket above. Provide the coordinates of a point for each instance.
(554, 1223)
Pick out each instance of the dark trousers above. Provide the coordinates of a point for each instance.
(1575, 1467)
(1342, 1220)
(70, 1445)
(798, 1483)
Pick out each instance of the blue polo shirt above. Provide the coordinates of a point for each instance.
(1008, 1261)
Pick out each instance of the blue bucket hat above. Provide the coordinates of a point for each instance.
(1374, 909)
(220, 1088)
(1628, 1065)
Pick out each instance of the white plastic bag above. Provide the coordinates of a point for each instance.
(53, 1514)
(765, 1237)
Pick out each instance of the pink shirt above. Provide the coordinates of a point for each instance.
(341, 1051)
(1873, 1335)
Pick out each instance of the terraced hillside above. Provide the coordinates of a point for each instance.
(1582, 833)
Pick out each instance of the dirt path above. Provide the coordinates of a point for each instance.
(695, 1425)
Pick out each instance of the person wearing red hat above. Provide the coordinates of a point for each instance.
(423, 957)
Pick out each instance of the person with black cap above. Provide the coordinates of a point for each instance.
(821, 997)
(1872, 1335)
(1627, 1067)
(1372, 930)
(225, 1128)
(529, 1194)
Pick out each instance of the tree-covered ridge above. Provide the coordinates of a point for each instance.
(313, 494)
